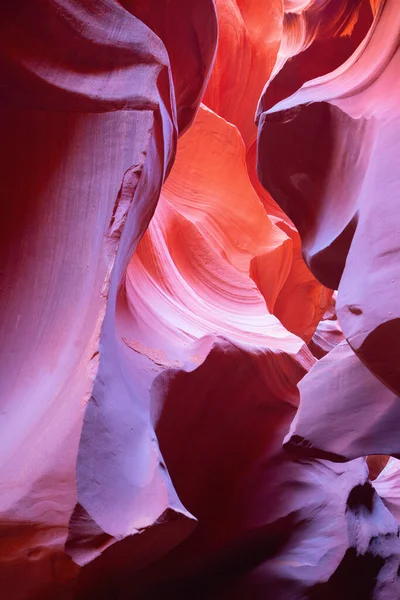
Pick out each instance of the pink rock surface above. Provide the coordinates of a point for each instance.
(84, 152)
(387, 484)
(326, 337)
(339, 137)
(166, 428)
(266, 520)
(345, 411)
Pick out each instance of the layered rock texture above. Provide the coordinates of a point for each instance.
(199, 300)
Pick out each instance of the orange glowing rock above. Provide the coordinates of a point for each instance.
(249, 39)
(167, 429)
(250, 36)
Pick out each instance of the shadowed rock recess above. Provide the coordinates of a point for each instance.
(199, 300)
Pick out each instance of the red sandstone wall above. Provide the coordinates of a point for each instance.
(186, 407)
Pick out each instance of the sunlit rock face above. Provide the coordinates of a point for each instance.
(186, 406)
(339, 136)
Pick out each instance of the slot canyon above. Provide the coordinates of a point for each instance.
(199, 361)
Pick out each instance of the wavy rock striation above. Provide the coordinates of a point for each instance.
(183, 413)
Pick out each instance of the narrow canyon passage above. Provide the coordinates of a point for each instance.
(199, 292)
